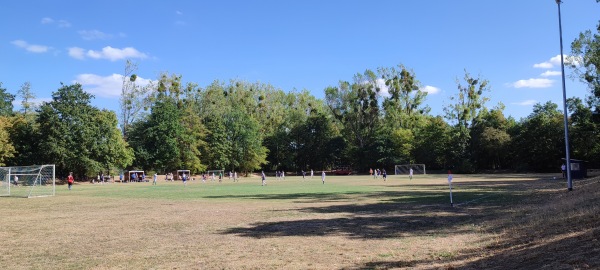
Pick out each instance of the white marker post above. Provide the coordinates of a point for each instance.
(450, 185)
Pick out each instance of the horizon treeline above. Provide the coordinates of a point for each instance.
(243, 126)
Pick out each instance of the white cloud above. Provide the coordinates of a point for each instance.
(47, 20)
(528, 102)
(108, 86)
(533, 83)
(93, 34)
(30, 47)
(178, 12)
(432, 90)
(555, 61)
(545, 65)
(77, 53)
(108, 52)
(63, 23)
(60, 23)
(549, 73)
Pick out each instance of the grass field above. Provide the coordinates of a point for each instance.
(351, 222)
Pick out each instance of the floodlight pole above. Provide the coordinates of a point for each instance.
(566, 119)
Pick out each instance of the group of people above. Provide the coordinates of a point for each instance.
(281, 175)
(101, 178)
(304, 174)
(377, 172)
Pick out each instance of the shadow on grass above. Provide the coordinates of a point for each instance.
(396, 214)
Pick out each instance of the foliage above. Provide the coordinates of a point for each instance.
(7, 149)
(78, 137)
(134, 99)
(539, 139)
(586, 62)
(6, 99)
(356, 107)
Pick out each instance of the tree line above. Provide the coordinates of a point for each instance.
(377, 120)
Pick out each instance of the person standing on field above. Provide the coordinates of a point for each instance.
(563, 168)
(410, 174)
(384, 175)
(311, 173)
(16, 180)
(154, 179)
(264, 178)
(323, 177)
(70, 180)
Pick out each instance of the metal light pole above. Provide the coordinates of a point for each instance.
(566, 119)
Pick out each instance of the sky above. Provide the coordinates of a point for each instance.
(295, 45)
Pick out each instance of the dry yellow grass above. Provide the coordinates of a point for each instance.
(502, 222)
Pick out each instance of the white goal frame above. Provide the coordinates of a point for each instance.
(405, 169)
(33, 181)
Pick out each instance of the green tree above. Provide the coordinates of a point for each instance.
(7, 150)
(134, 99)
(468, 104)
(433, 144)
(539, 140)
(6, 99)
(405, 103)
(75, 133)
(490, 140)
(583, 132)
(356, 107)
(585, 61)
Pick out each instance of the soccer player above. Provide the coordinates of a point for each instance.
(264, 178)
(16, 180)
(154, 180)
(184, 178)
(323, 177)
(410, 174)
(311, 173)
(303, 174)
(384, 175)
(235, 177)
(70, 180)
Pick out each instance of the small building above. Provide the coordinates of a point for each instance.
(578, 168)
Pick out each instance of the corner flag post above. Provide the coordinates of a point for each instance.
(450, 185)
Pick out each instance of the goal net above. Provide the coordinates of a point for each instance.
(28, 181)
(405, 169)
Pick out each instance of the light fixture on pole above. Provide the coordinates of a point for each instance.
(566, 118)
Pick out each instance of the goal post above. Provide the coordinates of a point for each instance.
(405, 169)
(28, 181)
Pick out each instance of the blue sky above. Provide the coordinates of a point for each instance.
(298, 45)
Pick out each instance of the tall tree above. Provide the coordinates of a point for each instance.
(468, 104)
(538, 140)
(586, 62)
(134, 98)
(583, 132)
(75, 133)
(27, 100)
(405, 101)
(356, 107)
(7, 150)
(6, 99)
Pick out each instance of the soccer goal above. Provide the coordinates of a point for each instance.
(28, 181)
(405, 169)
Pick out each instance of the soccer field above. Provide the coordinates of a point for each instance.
(350, 222)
